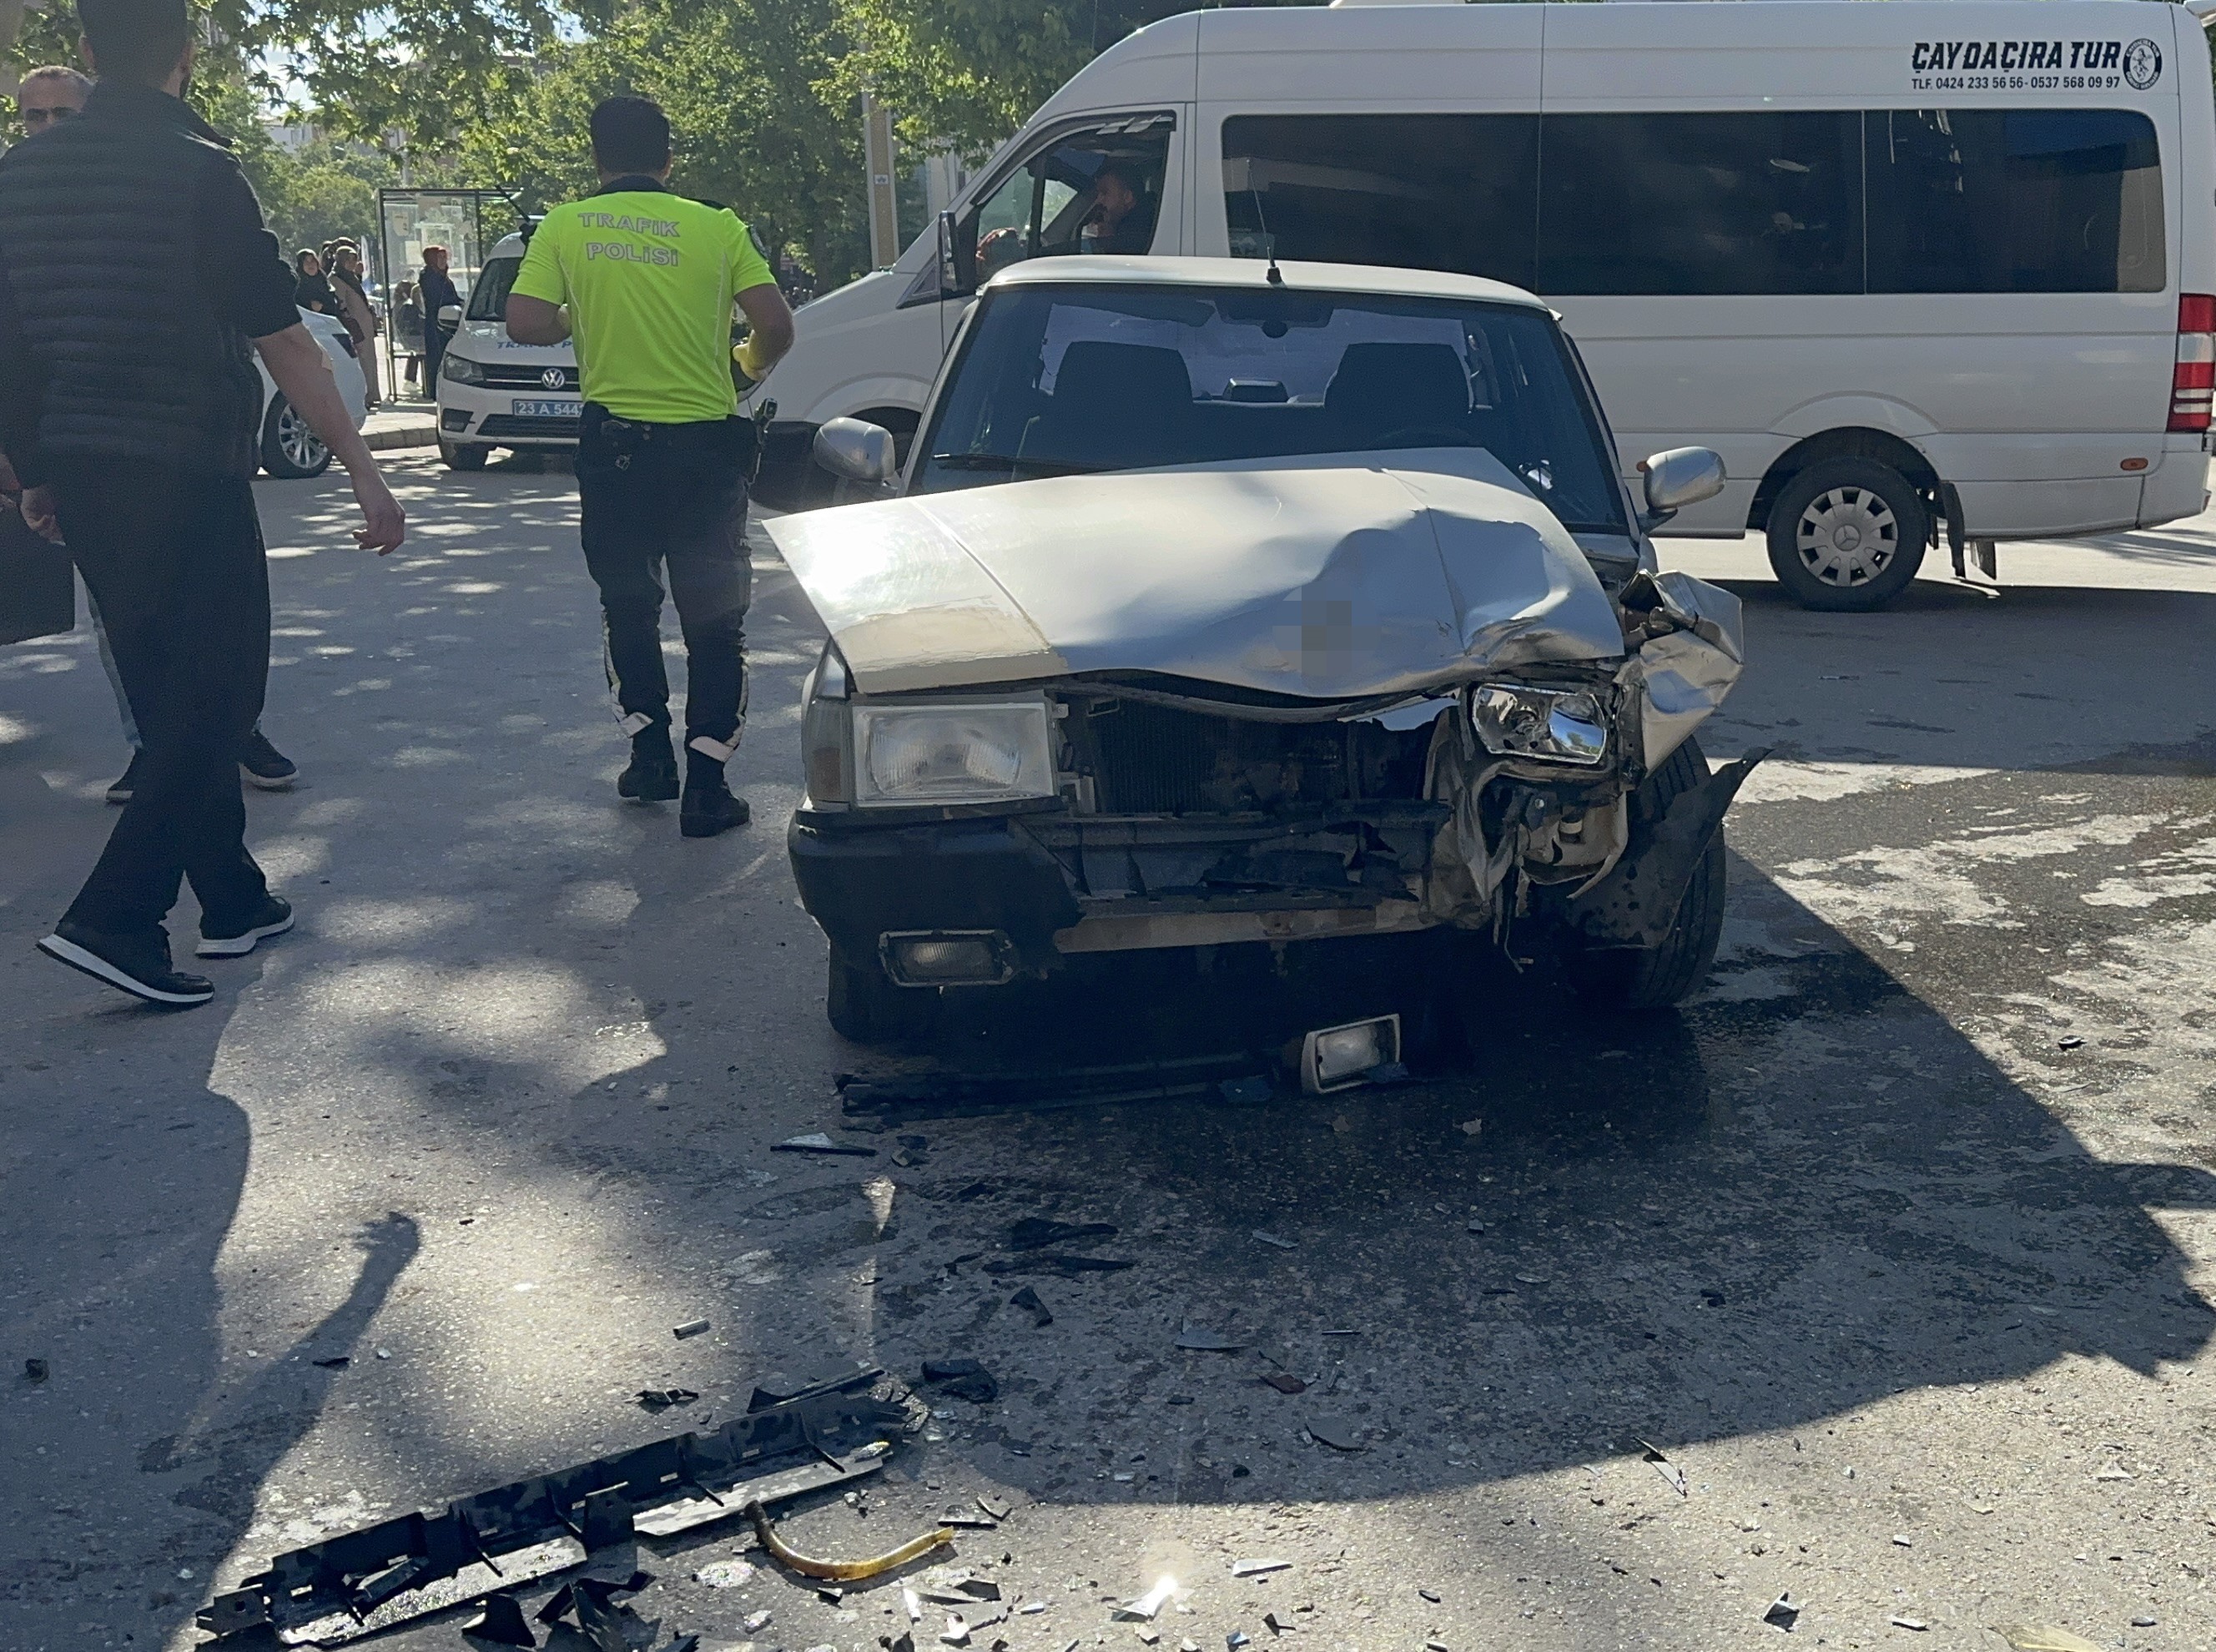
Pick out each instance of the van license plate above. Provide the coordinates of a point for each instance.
(522, 410)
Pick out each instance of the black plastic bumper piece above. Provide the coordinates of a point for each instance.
(862, 883)
(1636, 904)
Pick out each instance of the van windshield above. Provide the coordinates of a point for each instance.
(489, 297)
(1055, 381)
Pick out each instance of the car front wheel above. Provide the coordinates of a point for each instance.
(1655, 978)
(289, 448)
(464, 455)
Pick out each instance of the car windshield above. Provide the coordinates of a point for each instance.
(489, 297)
(1060, 380)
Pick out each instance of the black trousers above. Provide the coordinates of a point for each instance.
(176, 562)
(674, 498)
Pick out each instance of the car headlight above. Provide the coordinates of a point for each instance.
(461, 369)
(973, 752)
(1558, 725)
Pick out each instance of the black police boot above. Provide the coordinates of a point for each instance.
(652, 774)
(709, 806)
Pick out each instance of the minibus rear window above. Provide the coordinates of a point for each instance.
(2014, 201)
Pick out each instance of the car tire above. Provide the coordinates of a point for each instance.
(1656, 977)
(865, 1006)
(465, 456)
(290, 450)
(1847, 535)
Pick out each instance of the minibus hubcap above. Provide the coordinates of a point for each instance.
(1847, 536)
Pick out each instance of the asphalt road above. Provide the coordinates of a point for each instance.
(1896, 1242)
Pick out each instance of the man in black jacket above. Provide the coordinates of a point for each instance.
(136, 283)
(437, 291)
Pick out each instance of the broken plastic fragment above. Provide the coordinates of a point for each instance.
(1338, 1433)
(1235, 1639)
(661, 1399)
(817, 1142)
(1784, 1611)
(1028, 1300)
(501, 1622)
(957, 1632)
(1916, 1623)
(1256, 1568)
(843, 1571)
(1284, 1382)
(690, 1328)
(1195, 1339)
(913, 1603)
(1149, 1604)
(2044, 1638)
(963, 1379)
(37, 1371)
(1030, 1608)
(1275, 1240)
(754, 1622)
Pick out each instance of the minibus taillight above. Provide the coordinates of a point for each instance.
(2192, 381)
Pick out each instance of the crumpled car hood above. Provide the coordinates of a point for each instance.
(1329, 578)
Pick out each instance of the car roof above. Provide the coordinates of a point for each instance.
(1374, 280)
(506, 245)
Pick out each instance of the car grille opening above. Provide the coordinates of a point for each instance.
(1150, 759)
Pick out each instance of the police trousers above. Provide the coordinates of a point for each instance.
(670, 500)
(175, 561)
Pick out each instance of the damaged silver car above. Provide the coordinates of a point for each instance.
(1230, 603)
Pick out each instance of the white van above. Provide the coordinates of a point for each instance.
(1913, 269)
(494, 392)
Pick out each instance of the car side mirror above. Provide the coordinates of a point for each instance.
(450, 314)
(1678, 478)
(858, 451)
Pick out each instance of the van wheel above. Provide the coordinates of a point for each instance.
(1655, 978)
(865, 1006)
(463, 456)
(1847, 535)
(289, 448)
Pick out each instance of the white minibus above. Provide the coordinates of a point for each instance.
(1919, 270)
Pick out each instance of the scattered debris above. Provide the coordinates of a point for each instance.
(333, 1362)
(1258, 1567)
(1673, 1474)
(1235, 1639)
(37, 1371)
(2113, 1474)
(913, 1603)
(724, 1574)
(1195, 1339)
(1916, 1623)
(2072, 1042)
(1028, 1300)
(1038, 1232)
(999, 1513)
(2044, 1638)
(1784, 1611)
(328, 1592)
(817, 1142)
(1148, 1634)
(690, 1328)
(1030, 1608)
(2146, 1623)
(1270, 1623)
(957, 1632)
(1431, 1595)
(841, 1571)
(1274, 1240)
(1435, 1646)
(500, 1620)
(830, 1595)
(754, 1622)
(1338, 1433)
(1474, 1227)
(1902, 1540)
(963, 1521)
(1341, 1333)
(1149, 1604)
(961, 1379)
(1284, 1382)
(1069, 1267)
(661, 1399)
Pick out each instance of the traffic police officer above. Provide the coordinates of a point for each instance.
(648, 278)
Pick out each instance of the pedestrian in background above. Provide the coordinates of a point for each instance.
(435, 288)
(408, 329)
(136, 283)
(650, 280)
(48, 95)
(311, 288)
(357, 312)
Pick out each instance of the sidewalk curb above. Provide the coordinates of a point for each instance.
(424, 435)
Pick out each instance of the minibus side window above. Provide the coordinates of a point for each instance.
(1767, 201)
(2014, 201)
(1099, 189)
(1450, 192)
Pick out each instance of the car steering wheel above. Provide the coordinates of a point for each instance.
(1442, 435)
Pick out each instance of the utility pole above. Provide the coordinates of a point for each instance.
(877, 159)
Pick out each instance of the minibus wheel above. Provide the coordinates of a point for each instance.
(1846, 535)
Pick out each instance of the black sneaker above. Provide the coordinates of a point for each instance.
(127, 782)
(138, 964)
(274, 918)
(264, 765)
(651, 776)
(709, 806)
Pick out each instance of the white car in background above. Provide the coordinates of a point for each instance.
(289, 448)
